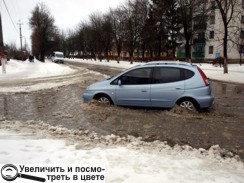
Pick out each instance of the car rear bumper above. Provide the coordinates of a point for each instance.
(58, 61)
(205, 101)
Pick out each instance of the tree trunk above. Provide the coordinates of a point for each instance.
(188, 50)
(240, 58)
(225, 51)
(174, 51)
(42, 55)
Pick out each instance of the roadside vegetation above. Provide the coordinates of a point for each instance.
(136, 30)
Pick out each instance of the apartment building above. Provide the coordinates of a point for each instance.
(207, 41)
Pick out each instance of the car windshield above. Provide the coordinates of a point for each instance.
(60, 55)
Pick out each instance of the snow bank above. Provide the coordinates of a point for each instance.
(126, 159)
(29, 70)
(25, 76)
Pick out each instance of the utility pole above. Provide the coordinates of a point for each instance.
(2, 53)
(25, 44)
(20, 34)
(1, 33)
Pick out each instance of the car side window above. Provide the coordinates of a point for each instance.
(136, 77)
(167, 75)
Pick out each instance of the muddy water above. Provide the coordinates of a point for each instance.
(223, 124)
(60, 106)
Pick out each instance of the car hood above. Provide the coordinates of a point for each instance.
(99, 84)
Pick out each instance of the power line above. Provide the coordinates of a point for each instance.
(13, 8)
(10, 16)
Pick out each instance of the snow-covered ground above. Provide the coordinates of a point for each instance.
(25, 76)
(26, 70)
(30, 70)
(126, 160)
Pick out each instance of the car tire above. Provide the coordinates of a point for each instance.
(188, 105)
(103, 99)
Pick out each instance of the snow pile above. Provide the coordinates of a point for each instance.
(25, 76)
(29, 70)
(126, 159)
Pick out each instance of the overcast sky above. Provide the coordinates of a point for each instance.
(67, 14)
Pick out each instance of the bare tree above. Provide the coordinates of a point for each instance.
(118, 28)
(228, 10)
(71, 39)
(107, 34)
(43, 30)
(135, 16)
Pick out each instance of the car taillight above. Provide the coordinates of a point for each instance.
(204, 77)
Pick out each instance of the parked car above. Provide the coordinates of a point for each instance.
(57, 57)
(155, 84)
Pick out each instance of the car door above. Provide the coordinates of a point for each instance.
(167, 86)
(134, 88)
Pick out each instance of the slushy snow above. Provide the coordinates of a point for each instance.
(127, 160)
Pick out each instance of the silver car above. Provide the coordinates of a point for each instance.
(155, 84)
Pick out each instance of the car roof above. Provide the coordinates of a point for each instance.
(173, 63)
(58, 52)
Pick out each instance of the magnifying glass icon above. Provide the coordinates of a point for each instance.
(10, 173)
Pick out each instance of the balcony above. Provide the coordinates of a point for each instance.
(200, 26)
(198, 54)
(199, 41)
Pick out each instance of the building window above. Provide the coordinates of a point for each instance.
(212, 19)
(210, 49)
(242, 19)
(241, 48)
(242, 34)
(211, 35)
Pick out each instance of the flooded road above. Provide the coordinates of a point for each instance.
(223, 124)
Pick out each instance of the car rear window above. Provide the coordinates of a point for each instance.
(188, 74)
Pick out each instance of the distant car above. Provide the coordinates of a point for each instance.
(155, 84)
(57, 57)
(31, 58)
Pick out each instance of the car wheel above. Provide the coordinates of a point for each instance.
(104, 100)
(189, 105)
